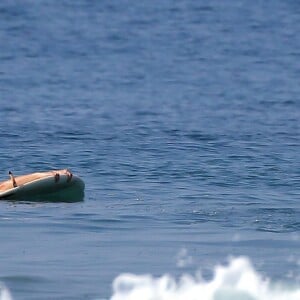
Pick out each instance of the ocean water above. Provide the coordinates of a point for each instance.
(182, 118)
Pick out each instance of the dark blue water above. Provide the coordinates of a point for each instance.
(182, 118)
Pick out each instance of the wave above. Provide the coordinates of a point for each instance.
(236, 281)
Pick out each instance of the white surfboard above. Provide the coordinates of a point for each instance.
(47, 189)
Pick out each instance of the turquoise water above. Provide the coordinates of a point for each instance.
(181, 117)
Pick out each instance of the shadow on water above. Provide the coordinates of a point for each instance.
(66, 196)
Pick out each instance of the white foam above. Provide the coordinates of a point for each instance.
(238, 280)
(4, 293)
(183, 259)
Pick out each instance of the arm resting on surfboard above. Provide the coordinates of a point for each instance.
(12, 177)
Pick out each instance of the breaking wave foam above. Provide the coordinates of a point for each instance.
(4, 293)
(238, 280)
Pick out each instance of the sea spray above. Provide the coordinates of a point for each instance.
(4, 293)
(238, 280)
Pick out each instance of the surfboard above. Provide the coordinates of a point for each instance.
(44, 186)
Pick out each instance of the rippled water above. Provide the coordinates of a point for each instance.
(181, 117)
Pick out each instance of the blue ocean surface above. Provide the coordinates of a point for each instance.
(182, 118)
